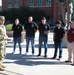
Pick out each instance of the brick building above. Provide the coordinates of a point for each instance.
(51, 7)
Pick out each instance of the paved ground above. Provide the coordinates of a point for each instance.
(29, 65)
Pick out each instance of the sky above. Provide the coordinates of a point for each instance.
(0, 2)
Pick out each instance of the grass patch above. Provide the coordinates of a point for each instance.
(9, 27)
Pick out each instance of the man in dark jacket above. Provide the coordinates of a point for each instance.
(17, 30)
(43, 35)
(30, 28)
(59, 33)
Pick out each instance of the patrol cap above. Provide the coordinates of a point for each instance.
(43, 18)
(58, 22)
(2, 18)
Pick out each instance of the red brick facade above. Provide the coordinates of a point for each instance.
(53, 11)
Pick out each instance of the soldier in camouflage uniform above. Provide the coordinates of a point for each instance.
(3, 38)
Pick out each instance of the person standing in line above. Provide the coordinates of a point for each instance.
(70, 38)
(3, 39)
(17, 30)
(44, 29)
(59, 33)
(30, 28)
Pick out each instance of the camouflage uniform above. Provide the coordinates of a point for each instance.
(3, 38)
(2, 42)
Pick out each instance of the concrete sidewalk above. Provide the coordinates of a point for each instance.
(33, 65)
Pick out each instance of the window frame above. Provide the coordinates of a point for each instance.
(47, 3)
(31, 3)
(16, 3)
(39, 3)
(9, 3)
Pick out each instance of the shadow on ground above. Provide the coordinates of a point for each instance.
(32, 60)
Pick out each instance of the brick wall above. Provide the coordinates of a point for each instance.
(53, 11)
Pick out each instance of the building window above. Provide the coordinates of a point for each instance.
(9, 3)
(73, 10)
(73, 2)
(48, 2)
(16, 3)
(31, 2)
(39, 2)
